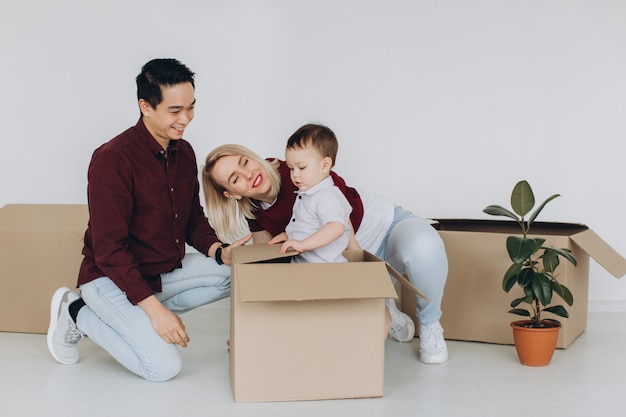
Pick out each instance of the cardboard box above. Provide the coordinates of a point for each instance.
(474, 305)
(40, 251)
(307, 331)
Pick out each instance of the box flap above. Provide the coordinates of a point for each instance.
(257, 253)
(359, 255)
(263, 253)
(298, 282)
(601, 252)
(404, 281)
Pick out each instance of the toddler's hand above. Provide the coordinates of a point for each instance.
(292, 244)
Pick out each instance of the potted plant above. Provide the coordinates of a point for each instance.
(534, 270)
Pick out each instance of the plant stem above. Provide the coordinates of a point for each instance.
(537, 312)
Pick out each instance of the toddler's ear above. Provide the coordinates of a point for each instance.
(327, 164)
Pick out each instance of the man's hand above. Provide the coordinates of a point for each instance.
(227, 251)
(164, 322)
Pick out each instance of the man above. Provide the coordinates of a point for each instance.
(144, 206)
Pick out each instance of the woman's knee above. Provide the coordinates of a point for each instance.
(416, 238)
(415, 248)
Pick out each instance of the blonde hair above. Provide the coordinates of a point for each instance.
(228, 216)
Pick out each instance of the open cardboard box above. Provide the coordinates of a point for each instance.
(474, 305)
(307, 331)
(40, 250)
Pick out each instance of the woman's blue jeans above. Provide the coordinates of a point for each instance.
(413, 247)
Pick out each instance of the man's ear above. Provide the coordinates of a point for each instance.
(231, 195)
(145, 107)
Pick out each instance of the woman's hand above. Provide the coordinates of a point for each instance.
(279, 238)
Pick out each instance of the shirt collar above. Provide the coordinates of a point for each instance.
(148, 140)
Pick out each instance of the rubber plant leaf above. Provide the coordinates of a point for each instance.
(536, 212)
(496, 210)
(558, 310)
(563, 292)
(542, 289)
(566, 253)
(521, 248)
(520, 312)
(522, 198)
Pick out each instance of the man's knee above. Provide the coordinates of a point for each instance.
(163, 368)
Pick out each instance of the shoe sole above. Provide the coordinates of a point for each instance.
(434, 361)
(55, 305)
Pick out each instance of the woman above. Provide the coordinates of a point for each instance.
(245, 193)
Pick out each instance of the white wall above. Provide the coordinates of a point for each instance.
(440, 106)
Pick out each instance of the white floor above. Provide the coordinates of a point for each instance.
(483, 380)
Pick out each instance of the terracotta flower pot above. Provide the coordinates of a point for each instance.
(535, 346)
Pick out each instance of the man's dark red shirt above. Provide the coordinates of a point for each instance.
(143, 207)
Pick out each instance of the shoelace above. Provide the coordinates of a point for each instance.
(432, 336)
(72, 335)
(399, 325)
(397, 321)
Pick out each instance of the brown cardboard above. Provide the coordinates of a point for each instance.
(40, 251)
(474, 305)
(306, 331)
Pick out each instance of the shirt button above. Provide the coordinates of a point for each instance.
(177, 241)
(293, 220)
(172, 189)
(300, 197)
(175, 215)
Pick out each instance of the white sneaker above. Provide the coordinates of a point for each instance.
(433, 348)
(402, 327)
(63, 335)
